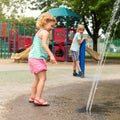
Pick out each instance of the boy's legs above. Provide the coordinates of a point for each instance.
(80, 74)
(74, 58)
(78, 65)
(74, 69)
(74, 65)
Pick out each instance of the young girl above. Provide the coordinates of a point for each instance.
(38, 56)
(77, 40)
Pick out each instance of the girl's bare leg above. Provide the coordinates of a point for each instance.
(34, 86)
(41, 83)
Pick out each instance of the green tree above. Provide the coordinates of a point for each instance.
(117, 32)
(11, 8)
(28, 24)
(3, 4)
(95, 13)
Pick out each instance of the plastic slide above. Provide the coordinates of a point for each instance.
(22, 55)
(93, 54)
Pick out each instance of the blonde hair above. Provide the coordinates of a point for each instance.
(44, 19)
(80, 27)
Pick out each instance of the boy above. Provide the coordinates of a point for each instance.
(77, 40)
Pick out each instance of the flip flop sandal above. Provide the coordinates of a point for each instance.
(31, 100)
(40, 102)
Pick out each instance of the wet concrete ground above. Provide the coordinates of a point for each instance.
(69, 102)
(66, 94)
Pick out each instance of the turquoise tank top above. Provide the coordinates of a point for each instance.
(36, 50)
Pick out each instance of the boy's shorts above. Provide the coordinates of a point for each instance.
(75, 56)
(37, 65)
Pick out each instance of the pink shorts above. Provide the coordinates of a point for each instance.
(37, 65)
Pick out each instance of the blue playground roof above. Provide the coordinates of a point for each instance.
(62, 11)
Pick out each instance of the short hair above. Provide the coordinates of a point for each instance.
(80, 26)
(45, 18)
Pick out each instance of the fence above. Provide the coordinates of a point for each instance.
(14, 39)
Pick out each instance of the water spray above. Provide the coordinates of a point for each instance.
(100, 65)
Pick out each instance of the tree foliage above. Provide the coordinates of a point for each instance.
(28, 24)
(3, 4)
(25, 25)
(11, 8)
(95, 13)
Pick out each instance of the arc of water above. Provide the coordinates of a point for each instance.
(103, 56)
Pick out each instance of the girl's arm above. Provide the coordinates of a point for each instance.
(44, 35)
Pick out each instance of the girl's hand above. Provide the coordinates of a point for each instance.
(52, 60)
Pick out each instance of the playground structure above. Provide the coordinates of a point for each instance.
(60, 48)
(19, 42)
(13, 44)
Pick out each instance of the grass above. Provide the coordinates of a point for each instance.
(21, 76)
(113, 56)
(110, 55)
